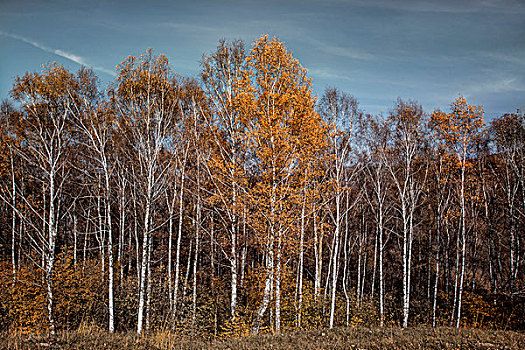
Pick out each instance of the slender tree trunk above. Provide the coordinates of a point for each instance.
(409, 262)
(278, 284)
(136, 234)
(279, 261)
(359, 258)
(326, 290)
(86, 239)
(101, 233)
(267, 289)
(75, 240)
(45, 225)
(50, 256)
(463, 241)
(365, 262)
(171, 207)
(436, 279)
(234, 258)
(196, 258)
(381, 281)
(512, 250)
(243, 256)
(374, 271)
(144, 263)
(345, 266)
(335, 255)
(13, 220)
(245, 247)
(187, 274)
(148, 287)
(462, 277)
(301, 260)
(456, 281)
(212, 266)
(121, 248)
(318, 251)
(268, 286)
(21, 231)
(406, 285)
(429, 264)
(492, 275)
(177, 253)
(110, 251)
(447, 260)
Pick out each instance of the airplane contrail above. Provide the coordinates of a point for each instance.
(67, 55)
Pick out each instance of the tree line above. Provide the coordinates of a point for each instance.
(238, 202)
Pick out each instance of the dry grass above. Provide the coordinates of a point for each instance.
(340, 338)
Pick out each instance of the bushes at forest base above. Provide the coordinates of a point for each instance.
(483, 310)
(78, 296)
(22, 301)
(81, 299)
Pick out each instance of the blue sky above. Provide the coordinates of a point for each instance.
(430, 51)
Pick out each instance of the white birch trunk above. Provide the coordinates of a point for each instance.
(463, 239)
(177, 253)
(196, 258)
(111, 320)
(13, 220)
(144, 263)
(335, 262)
(318, 252)
(50, 256)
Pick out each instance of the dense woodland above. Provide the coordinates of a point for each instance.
(241, 203)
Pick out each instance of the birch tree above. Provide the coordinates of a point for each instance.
(45, 126)
(276, 95)
(94, 121)
(377, 137)
(408, 175)
(147, 103)
(221, 73)
(340, 111)
(460, 129)
(509, 136)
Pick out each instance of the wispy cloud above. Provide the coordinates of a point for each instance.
(496, 85)
(515, 7)
(516, 58)
(67, 55)
(327, 73)
(342, 51)
(191, 28)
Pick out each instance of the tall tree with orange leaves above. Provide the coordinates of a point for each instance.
(461, 130)
(275, 94)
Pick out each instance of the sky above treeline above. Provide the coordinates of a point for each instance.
(376, 50)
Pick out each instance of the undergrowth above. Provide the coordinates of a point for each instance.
(90, 337)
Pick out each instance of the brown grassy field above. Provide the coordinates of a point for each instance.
(339, 338)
